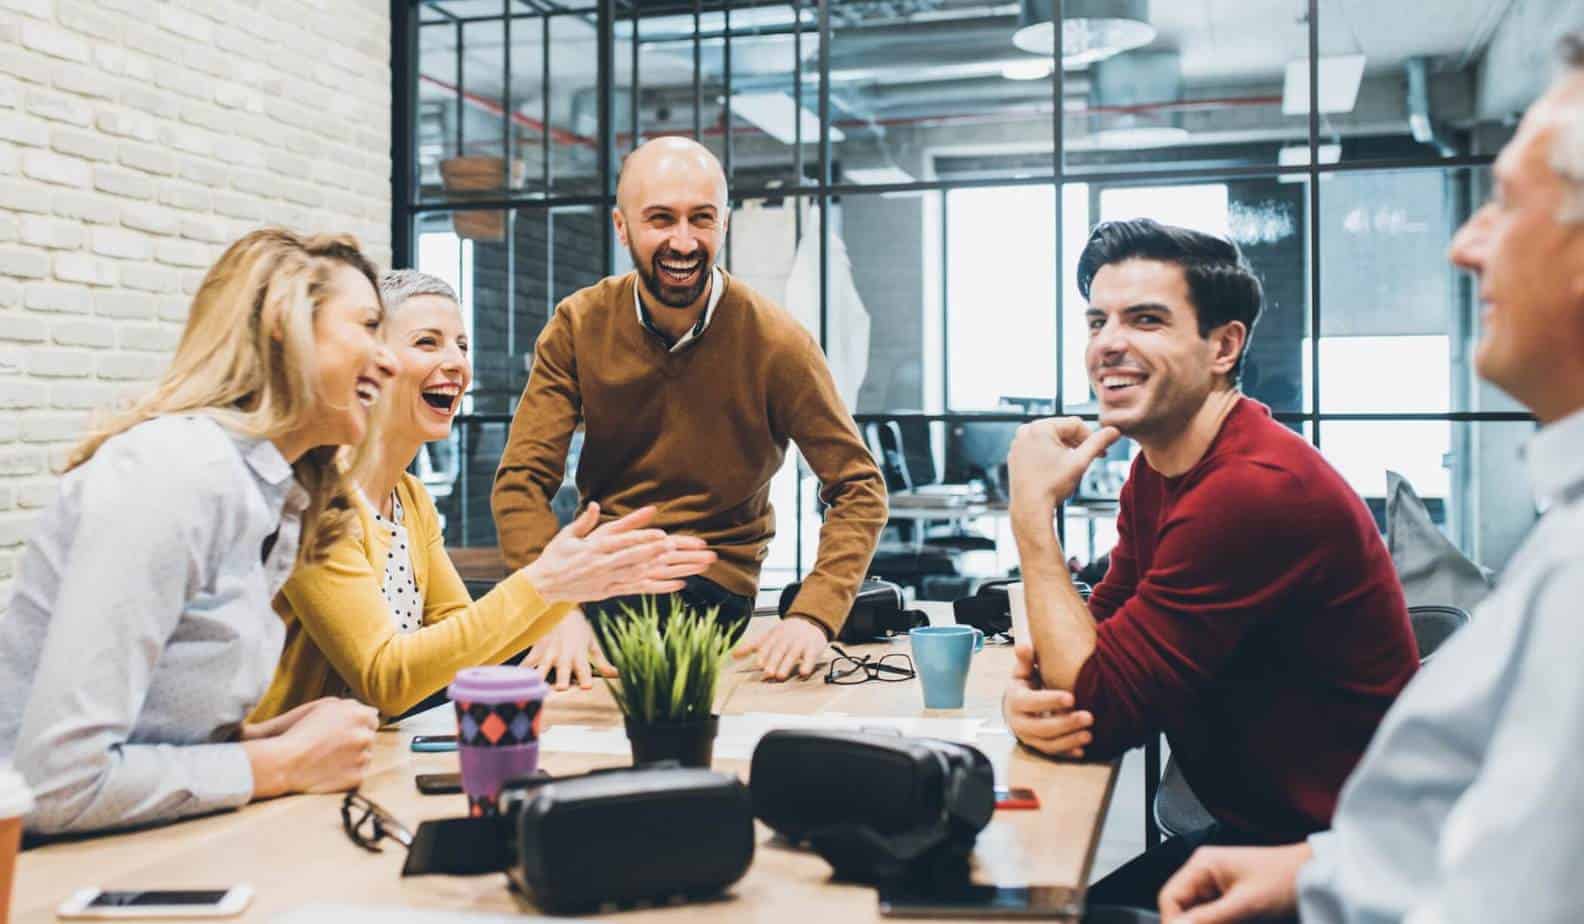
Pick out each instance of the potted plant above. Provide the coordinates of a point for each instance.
(666, 680)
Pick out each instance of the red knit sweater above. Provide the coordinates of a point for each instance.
(1252, 613)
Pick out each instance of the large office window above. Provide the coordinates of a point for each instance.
(914, 180)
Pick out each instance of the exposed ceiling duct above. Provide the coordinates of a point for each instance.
(1127, 98)
(1423, 125)
(924, 75)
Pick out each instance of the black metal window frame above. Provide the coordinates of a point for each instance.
(407, 209)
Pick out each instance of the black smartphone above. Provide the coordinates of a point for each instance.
(433, 743)
(981, 901)
(439, 784)
(450, 784)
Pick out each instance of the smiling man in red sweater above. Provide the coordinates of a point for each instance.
(1251, 611)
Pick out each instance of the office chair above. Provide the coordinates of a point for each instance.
(1178, 810)
(885, 444)
(911, 443)
(900, 562)
(1433, 625)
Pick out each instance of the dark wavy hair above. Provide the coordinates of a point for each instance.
(1220, 283)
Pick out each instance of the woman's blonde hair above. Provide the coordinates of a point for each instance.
(247, 360)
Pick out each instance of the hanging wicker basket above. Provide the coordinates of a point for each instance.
(477, 176)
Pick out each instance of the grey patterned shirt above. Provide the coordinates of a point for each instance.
(1467, 805)
(140, 632)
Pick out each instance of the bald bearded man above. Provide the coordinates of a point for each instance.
(689, 386)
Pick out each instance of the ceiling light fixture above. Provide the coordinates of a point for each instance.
(778, 116)
(877, 176)
(1092, 30)
(1297, 155)
(1032, 69)
(1340, 76)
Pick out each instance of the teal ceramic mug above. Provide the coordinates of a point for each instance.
(942, 655)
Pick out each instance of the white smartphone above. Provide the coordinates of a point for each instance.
(156, 903)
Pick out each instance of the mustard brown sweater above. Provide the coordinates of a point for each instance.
(698, 433)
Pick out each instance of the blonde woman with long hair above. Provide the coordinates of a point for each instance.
(385, 618)
(140, 633)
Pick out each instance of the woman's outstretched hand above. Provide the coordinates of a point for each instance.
(586, 562)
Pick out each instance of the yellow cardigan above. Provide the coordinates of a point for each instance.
(342, 641)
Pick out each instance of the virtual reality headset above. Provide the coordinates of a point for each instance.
(877, 612)
(877, 807)
(616, 836)
(989, 609)
(629, 835)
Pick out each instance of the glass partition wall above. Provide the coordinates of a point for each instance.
(961, 154)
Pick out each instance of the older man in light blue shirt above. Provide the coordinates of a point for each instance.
(1469, 804)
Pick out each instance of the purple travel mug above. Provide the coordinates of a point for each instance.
(499, 711)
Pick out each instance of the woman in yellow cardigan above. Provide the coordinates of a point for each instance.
(386, 618)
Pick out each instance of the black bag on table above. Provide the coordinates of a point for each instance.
(989, 608)
(878, 807)
(877, 612)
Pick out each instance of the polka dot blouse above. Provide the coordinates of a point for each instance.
(400, 587)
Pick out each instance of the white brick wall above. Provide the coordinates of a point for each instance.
(137, 138)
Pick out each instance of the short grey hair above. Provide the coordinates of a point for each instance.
(1567, 149)
(397, 286)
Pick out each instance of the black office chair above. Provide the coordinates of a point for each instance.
(1433, 625)
(910, 442)
(899, 560)
(885, 443)
(1178, 810)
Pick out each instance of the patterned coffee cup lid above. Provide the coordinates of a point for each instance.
(499, 683)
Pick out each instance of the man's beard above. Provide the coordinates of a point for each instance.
(669, 295)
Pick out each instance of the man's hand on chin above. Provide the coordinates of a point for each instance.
(795, 644)
(1048, 459)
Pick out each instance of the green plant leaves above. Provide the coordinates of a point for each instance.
(666, 676)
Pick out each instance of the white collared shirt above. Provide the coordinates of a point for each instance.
(717, 286)
(140, 633)
(1467, 805)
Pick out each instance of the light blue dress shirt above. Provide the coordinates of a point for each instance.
(1469, 804)
(140, 632)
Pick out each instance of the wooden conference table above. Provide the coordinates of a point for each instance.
(294, 853)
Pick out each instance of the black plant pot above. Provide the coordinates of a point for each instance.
(692, 744)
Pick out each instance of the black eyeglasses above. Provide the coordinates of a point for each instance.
(366, 823)
(891, 668)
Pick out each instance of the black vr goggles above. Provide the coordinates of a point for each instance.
(989, 609)
(877, 807)
(876, 614)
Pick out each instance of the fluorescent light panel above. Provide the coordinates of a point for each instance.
(875, 176)
(775, 112)
(1298, 155)
(1031, 69)
(1340, 76)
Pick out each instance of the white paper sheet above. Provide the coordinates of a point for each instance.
(740, 734)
